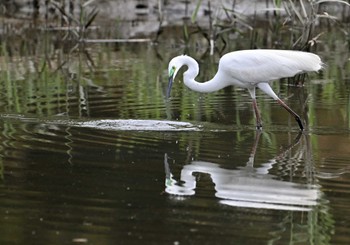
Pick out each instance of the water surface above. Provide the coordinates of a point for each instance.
(81, 161)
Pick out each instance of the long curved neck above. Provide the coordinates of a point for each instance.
(204, 87)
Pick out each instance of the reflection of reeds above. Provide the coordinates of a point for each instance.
(1, 168)
(47, 58)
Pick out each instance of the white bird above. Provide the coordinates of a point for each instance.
(248, 69)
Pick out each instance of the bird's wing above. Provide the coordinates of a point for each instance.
(262, 65)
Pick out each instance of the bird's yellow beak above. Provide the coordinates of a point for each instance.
(171, 79)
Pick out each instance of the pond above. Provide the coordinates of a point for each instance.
(98, 156)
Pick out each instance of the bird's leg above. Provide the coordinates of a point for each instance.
(268, 90)
(296, 116)
(250, 162)
(257, 115)
(255, 107)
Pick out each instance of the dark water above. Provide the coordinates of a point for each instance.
(73, 170)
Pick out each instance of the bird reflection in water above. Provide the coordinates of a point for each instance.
(246, 186)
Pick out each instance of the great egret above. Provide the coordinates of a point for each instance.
(248, 69)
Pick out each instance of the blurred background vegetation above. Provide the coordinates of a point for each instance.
(55, 55)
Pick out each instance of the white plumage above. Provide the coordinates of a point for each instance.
(248, 69)
(254, 66)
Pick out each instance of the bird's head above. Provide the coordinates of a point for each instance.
(174, 66)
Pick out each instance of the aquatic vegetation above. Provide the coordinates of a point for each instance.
(61, 55)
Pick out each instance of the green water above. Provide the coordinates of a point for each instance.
(67, 178)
